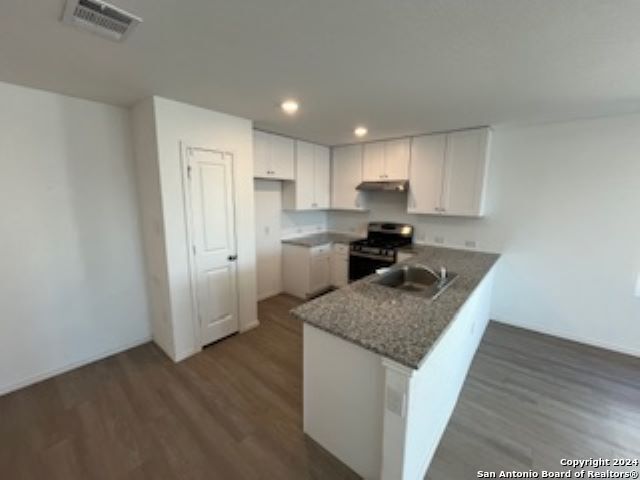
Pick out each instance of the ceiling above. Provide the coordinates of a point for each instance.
(399, 67)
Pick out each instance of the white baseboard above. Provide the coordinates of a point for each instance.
(268, 295)
(251, 326)
(11, 387)
(574, 338)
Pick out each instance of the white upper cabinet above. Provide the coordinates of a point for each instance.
(373, 161)
(261, 148)
(311, 188)
(396, 156)
(304, 187)
(426, 173)
(273, 156)
(322, 176)
(386, 160)
(465, 172)
(346, 175)
(448, 173)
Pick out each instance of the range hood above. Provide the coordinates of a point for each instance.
(385, 186)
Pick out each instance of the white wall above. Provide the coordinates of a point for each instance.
(152, 219)
(71, 267)
(198, 127)
(272, 224)
(563, 209)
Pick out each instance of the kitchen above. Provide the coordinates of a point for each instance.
(323, 240)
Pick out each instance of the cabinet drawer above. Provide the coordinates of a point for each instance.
(341, 248)
(321, 250)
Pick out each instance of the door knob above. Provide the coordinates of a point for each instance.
(232, 258)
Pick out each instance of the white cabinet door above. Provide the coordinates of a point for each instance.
(465, 172)
(282, 158)
(426, 172)
(339, 268)
(346, 175)
(373, 162)
(396, 159)
(305, 176)
(273, 156)
(261, 148)
(320, 272)
(321, 176)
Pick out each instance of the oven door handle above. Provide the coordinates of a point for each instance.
(371, 256)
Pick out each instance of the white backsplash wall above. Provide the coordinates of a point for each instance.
(470, 233)
(295, 224)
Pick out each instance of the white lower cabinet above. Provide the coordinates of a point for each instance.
(320, 275)
(306, 271)
(340, 265)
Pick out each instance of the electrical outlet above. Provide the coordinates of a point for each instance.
(470, 243)
(438, 239)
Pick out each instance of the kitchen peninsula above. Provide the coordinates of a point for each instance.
(383, 367)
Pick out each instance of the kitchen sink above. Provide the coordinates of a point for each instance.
(418, 280)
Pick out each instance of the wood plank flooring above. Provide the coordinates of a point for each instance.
(235, 411)
(530, 400)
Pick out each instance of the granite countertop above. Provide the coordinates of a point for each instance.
(392, 323)
(322, 238)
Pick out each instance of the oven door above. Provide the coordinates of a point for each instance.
(363, 264)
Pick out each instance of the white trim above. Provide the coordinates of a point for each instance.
(573, 338)
(270, 294)
(186, 197)
(186, 354)
(251, 326)
(4, 389)
(397, 367)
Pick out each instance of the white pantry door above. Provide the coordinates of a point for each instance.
(210, 180)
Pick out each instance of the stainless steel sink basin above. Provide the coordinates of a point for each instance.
(418, 280)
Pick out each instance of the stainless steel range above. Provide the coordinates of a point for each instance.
(378, 249)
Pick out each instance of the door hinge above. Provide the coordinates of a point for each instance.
(189, 172)
(193, 249)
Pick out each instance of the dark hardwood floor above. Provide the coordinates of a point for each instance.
(235, 411)
(530, 400)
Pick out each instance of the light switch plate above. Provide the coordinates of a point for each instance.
(637, 290)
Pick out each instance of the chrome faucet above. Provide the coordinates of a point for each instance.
(442, 276)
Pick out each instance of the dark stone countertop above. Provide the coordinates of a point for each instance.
(396, 324)
(321, 238)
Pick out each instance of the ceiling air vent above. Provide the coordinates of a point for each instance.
(100, 17)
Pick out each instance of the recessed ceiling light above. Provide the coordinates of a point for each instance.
(290, 107)
(360, 131)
